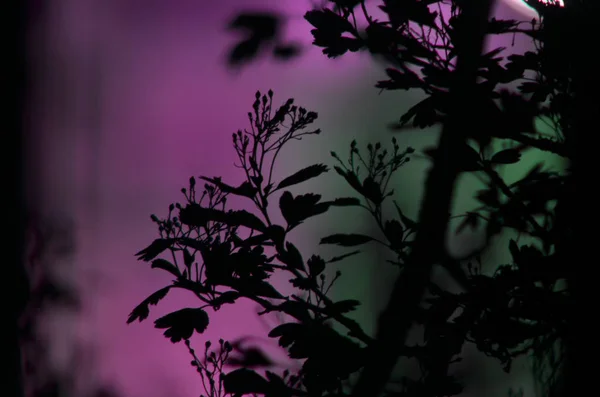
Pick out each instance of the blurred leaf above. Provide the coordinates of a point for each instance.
(346, 240)
(260, 29)
(302, 175)
(182, 323)
(287, 51)
(141, 311)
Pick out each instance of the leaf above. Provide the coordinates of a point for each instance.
(298, 310)
(255, 288)
(198, 216)
(302, 175)
(156, 248)
(227, 297)
(469, 159)
(165, 265)
(245, 189)
(372, 190)
(399, 80)
(286, 51)
(244, 381)
(291, 257)
(188, 259)
(339, 258)
(346, 240)
(499, 26)
(507, 156)
(316, 265)
(244, 218)
(394, 233)
(342, 307)
(299, 208)
(260, 29)
(328, 21)
(350, 177)
(345, 202)
(423, 114)
(141, 311)
(287, 333)
(408, 223)
(182, 323)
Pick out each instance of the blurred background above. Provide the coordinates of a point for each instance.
(131, 98)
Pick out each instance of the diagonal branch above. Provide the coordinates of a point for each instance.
(429, 246)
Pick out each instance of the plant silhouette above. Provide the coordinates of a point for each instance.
(222, 255)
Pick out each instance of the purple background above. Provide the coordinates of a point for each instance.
(131, 98)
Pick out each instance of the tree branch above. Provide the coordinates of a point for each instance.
(429, 246)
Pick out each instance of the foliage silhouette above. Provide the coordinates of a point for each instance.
(520, 309)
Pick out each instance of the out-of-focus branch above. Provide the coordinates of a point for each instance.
(429, 246)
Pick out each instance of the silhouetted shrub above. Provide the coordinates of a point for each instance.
(222, 255)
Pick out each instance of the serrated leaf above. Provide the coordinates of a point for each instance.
(141, 311)
(182, 323)
(297, 209)
(316, 265)
(154, 249)
(342, 307)
(165, 265)
(346, 240)
(245, 189)
(303, 175)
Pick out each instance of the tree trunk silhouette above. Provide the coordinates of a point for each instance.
(429, 246)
